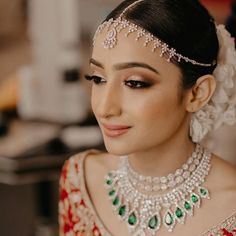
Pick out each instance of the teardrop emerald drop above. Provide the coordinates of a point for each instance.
(122, 210)
(179, 213)
(194, 198)
(187, 205)
(203, 191)
(116, 201)
(153, 222)
(109, 182)
(132, 220)
(169, 219)
(112, 193)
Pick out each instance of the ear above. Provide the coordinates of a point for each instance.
(199, 95)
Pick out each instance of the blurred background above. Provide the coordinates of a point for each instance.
(45, 113)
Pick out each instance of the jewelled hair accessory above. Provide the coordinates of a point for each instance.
(115, 26)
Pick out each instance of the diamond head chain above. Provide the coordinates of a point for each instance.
(146, 203)
(115, 26)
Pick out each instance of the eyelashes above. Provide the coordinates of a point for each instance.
(136, 84)
(133, 84)
(94, 78)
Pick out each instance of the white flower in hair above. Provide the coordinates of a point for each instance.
(227, 46)
(229, 116)
(225, 73)
(220, 96)
(197, 130)
(222, 107)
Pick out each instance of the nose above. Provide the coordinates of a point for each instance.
(108, 101)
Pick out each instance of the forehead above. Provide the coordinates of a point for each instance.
(128, 49)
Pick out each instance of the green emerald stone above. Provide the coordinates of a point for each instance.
(109, 182)
(203, 191)
(179, 213)
(169, 219)
(116, 201)
(122, 210)
(194, 198)
(112, 193)
(132, 220)
(187, 205)
(153, 222)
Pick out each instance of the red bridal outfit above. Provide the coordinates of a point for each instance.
(77, 216)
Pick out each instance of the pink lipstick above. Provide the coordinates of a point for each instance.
(115, 130)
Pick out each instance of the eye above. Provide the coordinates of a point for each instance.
(95, 79)
(136, 84)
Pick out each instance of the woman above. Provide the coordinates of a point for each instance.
(161, 82)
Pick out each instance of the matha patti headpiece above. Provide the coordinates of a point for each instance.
(115, 26)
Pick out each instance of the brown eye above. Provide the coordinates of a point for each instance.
(95, 79)
(135, 84)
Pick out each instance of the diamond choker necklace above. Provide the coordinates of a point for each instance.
(144, 202)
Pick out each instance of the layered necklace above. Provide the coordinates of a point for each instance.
(147, 203)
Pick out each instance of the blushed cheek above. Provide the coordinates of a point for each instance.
(157, 112)
(150, 108)
(94, 101)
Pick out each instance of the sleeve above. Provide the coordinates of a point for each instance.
(225, 228)
(75, 218)
(71, 204)
(66, 221)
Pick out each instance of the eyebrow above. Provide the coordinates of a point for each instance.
(126, 65)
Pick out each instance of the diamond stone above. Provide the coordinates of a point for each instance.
(163, 180)
(192, 167)
(186, 174)
(196, 162)
(163, 186)
(156, 188)
(171, 184)
(179, 179)
(179, 172)
(170, 176)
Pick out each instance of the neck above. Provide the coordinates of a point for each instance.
(162, 159)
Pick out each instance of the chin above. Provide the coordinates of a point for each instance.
(118, 148)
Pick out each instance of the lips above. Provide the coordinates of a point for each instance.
(115, 130)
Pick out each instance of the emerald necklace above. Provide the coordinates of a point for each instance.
(148, 203)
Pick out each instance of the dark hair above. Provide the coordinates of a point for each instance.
(184, 25)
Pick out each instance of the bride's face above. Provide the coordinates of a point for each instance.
(136, 88)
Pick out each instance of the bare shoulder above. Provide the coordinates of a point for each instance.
(97, 164)
(222, 182)
(96, 159)
(222, 185)
(224, 174)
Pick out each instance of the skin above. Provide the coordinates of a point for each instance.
(159, 117)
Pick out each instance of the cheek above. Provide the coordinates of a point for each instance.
(158, 117)
(153, 108)
(94, 100)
